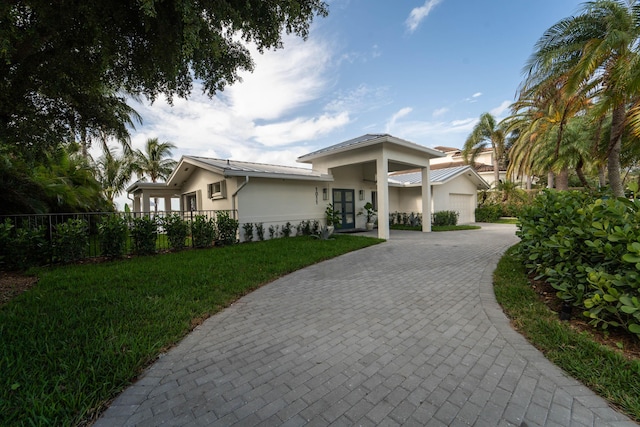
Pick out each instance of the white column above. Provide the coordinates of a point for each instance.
(426, 200)
(146, 203)
(382, 178)
(167, 203)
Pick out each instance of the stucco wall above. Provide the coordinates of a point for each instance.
(197, 183)
(351, 178)
(442, 197)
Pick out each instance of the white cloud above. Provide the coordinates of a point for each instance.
(299, 129)
(504, 106)
(440, 111)
(392, 121)
(418, 14)
(434, 133)
(282, 80)
(476, 95)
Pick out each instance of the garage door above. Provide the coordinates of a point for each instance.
(464, 205)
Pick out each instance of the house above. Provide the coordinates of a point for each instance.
(345, 174)
(483, 164)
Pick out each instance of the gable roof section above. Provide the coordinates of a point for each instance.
(438, 177)
(365, 141)
(231, 168)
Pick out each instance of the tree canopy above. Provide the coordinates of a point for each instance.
(66, 66)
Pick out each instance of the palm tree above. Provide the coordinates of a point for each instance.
(154, 162)
(597, 50)
(485, 132)
(113, 172)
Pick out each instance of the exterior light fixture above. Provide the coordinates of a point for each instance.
(361, 194)
(325, 194)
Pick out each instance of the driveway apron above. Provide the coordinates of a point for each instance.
(403, 333)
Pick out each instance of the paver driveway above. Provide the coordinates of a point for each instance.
(403, 333)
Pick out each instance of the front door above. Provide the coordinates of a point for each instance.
(344, 204)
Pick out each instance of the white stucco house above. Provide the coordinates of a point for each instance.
(345, 174)
(483, 163)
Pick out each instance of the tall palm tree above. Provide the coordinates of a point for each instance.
(154, 161)
(598, 51)
(486, 132)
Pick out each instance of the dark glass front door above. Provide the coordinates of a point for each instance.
(344, 204)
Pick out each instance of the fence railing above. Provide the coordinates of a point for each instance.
(35, 239)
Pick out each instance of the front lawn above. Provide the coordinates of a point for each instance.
(84, 332)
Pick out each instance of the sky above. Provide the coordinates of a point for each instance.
(423, 71)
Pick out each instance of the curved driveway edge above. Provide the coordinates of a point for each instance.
(407, 332)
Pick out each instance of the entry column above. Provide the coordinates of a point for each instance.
(382, 177)
(426, 200)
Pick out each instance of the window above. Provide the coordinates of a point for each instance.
(374, 200)
(217, 190)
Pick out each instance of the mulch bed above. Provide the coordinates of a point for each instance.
(13, 284)
(618, 339)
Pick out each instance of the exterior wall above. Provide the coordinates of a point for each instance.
(409, 199)
(197, 183)
(442, 197)
(354, 178)
(276, 201)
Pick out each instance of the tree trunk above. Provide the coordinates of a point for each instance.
(562, 182)
(602, 177)
(496, 169)
(528, 182)
(615, 145)
(580, 174)
(550, 179)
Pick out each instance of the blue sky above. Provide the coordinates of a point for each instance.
(421, 71)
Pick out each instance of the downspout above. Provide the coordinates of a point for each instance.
(233, 196)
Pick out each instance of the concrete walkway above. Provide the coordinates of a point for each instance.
(403, 333)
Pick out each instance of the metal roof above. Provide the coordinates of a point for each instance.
(238, 168)
(366, 140)
(438, 176)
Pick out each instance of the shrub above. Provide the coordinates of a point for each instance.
(315, 227)
(113, 232)
(260, 231)
(588, 249)
(286, 229)
(273, 231)
(177, 230)
(71, 240)
(227, 228)
(144, 233)
(21, 248)
(305, 226)
(488, 212)
(444, 218)
(203, 231)
(248, 231)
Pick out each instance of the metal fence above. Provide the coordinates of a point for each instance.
(47, 224)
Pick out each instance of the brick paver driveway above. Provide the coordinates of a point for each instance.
(403, 333)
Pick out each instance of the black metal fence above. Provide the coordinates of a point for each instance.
(42, 229)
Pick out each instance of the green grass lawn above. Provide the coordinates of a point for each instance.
(604, 370)
(436, 227)
(84, 332)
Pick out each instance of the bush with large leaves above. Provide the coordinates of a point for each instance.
(588, 249)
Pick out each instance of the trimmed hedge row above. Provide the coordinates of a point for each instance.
(588, 249)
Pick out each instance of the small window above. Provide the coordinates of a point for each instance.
(374, 200)
(217, 190)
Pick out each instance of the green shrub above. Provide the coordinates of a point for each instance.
(177, 230)
(113, 232)
(588, 249)
(21, 248)
(273, 231)
(144, 233)
(489, 212)
(248, 231)
(260, 231)
(286, 229)
(203, 231)
(227, 228)
(443, 218)
(71, 240)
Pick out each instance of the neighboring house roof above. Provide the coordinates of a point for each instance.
(438, 177)
(446, 149)
(365, 141)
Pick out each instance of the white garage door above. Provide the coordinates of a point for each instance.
(464, 205)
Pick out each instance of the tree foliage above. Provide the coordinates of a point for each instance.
(65, 65)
